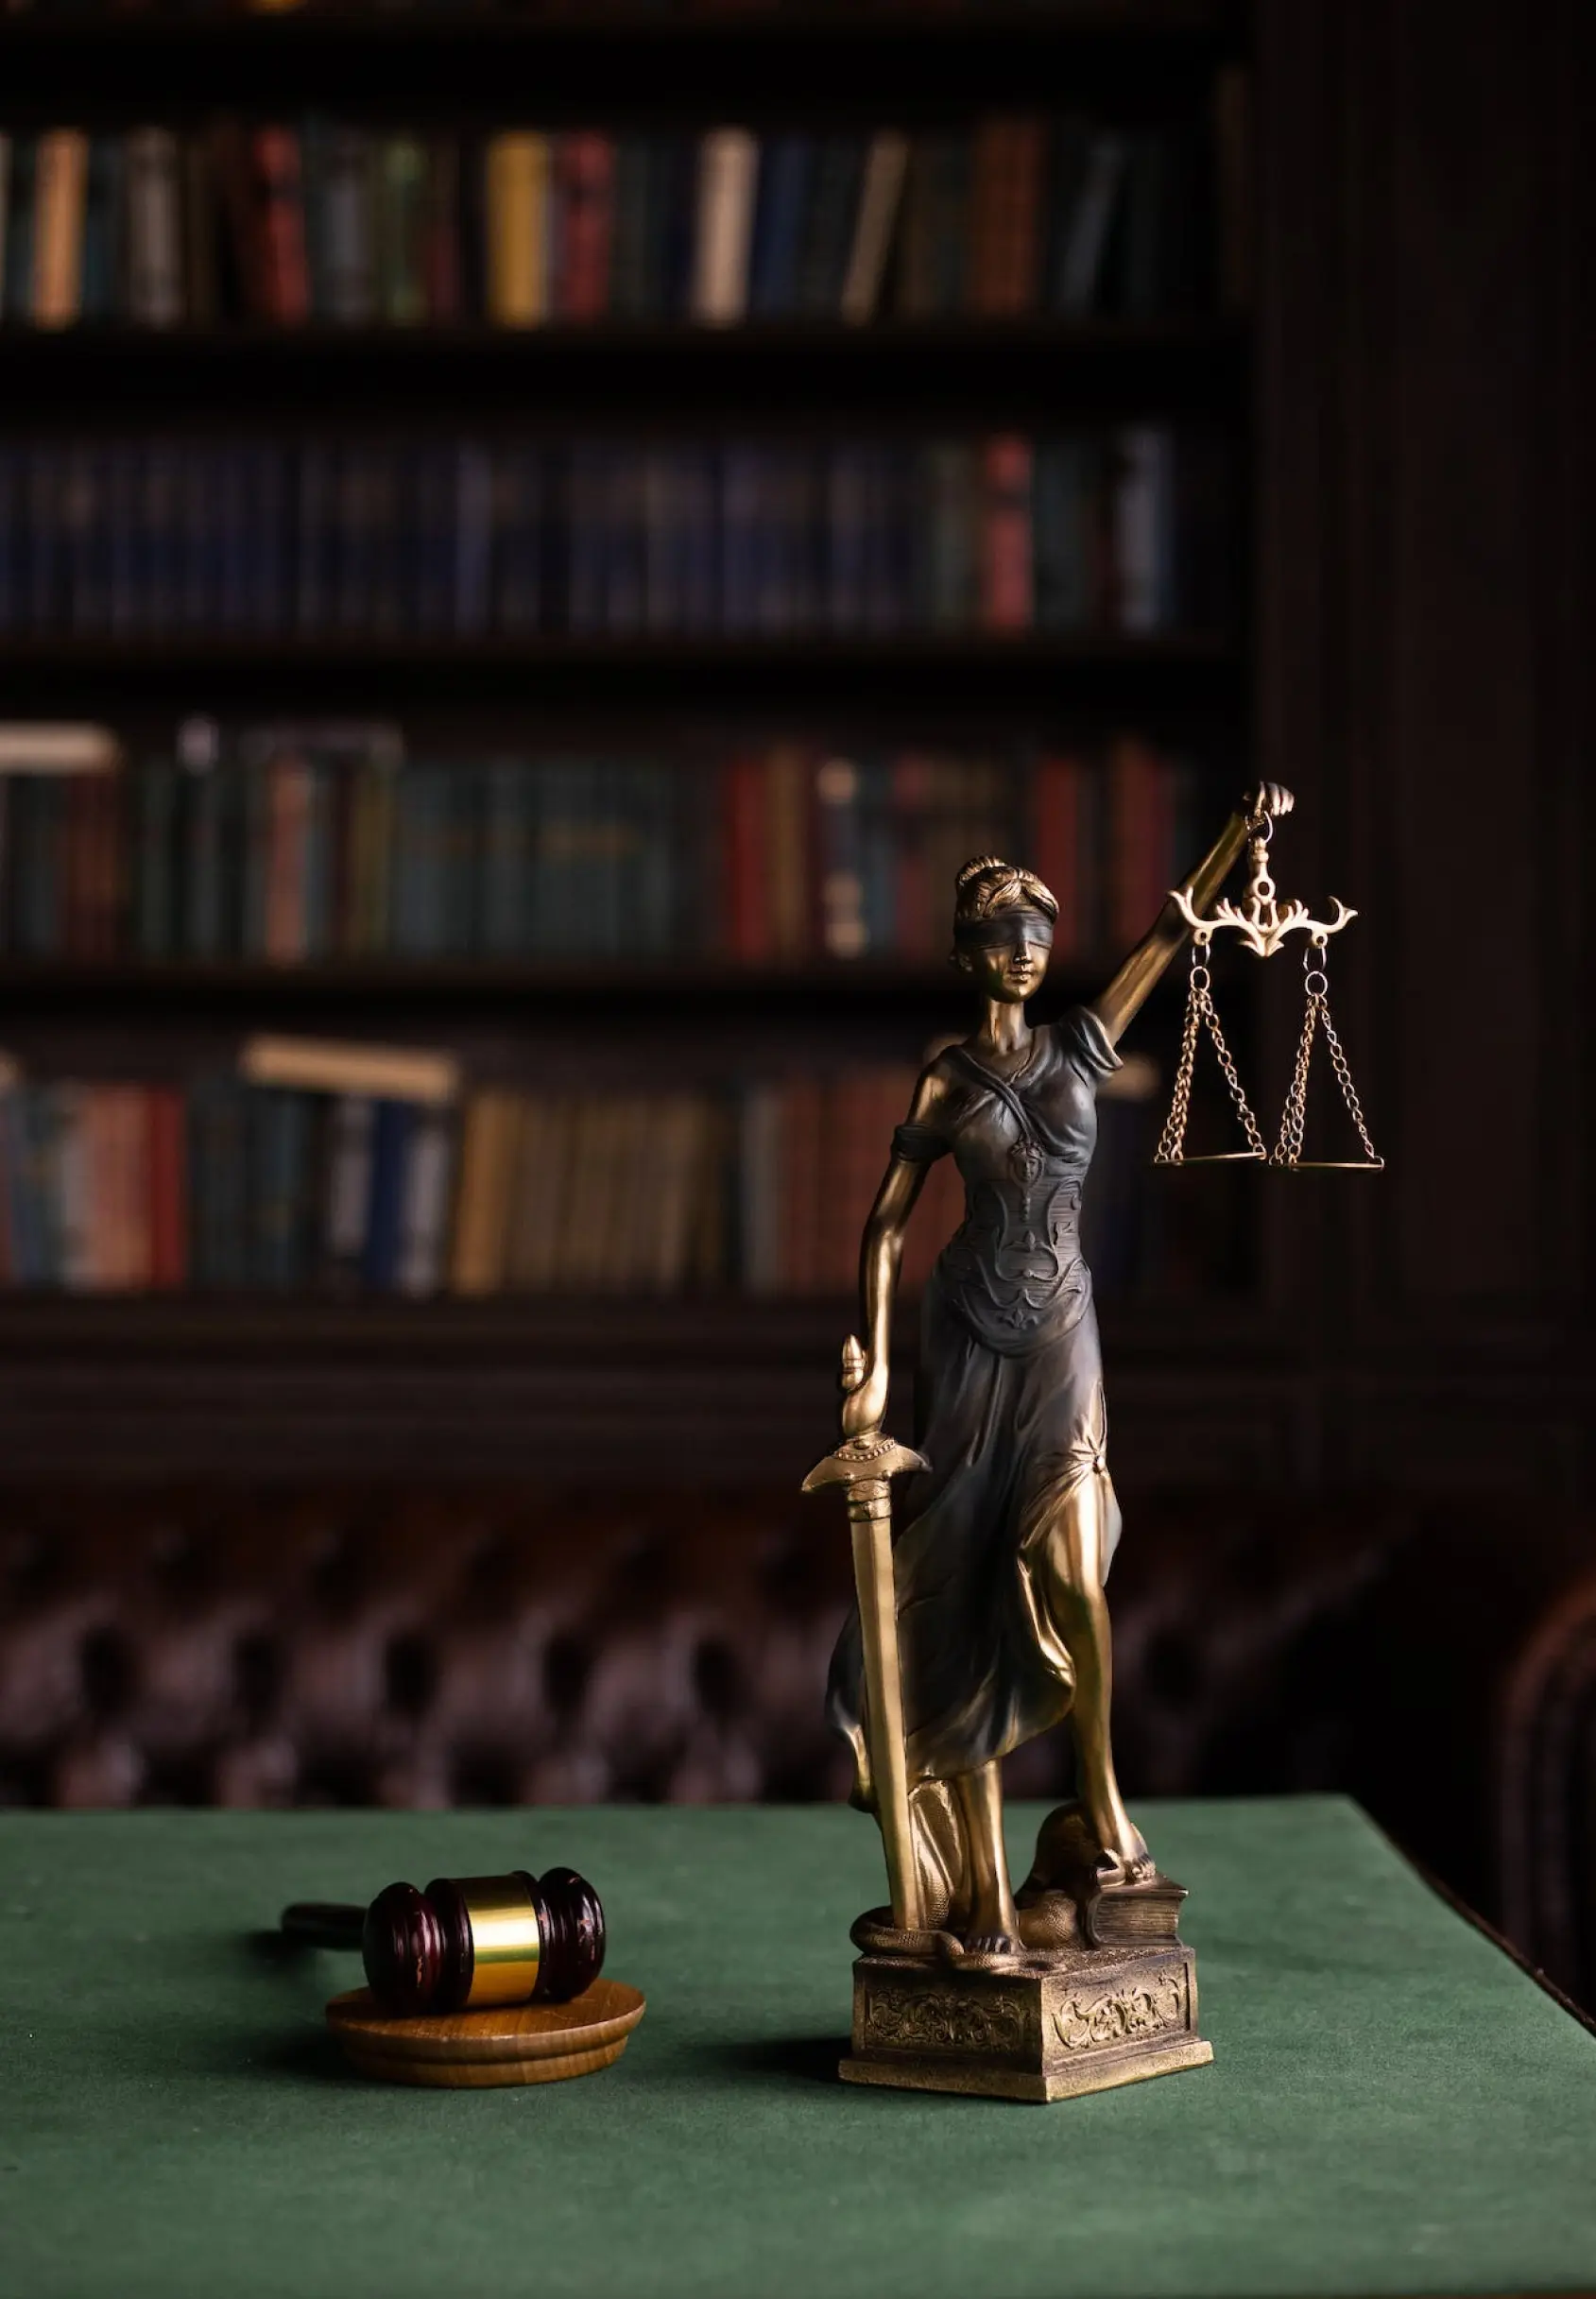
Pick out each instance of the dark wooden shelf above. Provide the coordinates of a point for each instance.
(132, 984)
(694, 1390)
(987, 677)
(247, 984)
(609, 63)
(895, 368)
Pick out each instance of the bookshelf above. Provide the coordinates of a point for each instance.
(174, 1385)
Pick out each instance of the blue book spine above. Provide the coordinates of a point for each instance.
(312, 477)
(584, 522)
(742, 514)
(700, 513)
(392, 1127)
(44, 585)
(779, 221)
(624, 554)
(236, 538)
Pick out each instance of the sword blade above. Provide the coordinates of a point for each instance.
(870, 1517)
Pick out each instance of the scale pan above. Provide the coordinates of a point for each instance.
(1328, 1165)
(1213, 1158)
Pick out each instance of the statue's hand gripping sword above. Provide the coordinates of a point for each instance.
(863, 1466)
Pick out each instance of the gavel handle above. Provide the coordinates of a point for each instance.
(324, 1924)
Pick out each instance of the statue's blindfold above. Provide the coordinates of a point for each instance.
(1017, 922)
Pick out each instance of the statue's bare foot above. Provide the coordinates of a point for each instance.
(993, 1944)
(1125, 1859)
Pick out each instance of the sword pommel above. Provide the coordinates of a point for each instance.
(874, 1456)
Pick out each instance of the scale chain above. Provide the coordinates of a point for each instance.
(1293, 1116)
(1201, 1014)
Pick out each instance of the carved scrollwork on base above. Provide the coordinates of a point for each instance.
(1124, 2015)
(934, 2020)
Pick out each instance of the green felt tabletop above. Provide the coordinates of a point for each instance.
(1393, 2105)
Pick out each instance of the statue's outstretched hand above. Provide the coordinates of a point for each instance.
(1271, 799)
(863, 1387)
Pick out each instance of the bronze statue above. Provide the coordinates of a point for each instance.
(987, 1623)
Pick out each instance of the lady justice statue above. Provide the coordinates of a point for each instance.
(992, 1625)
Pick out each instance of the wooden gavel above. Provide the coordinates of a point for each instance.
(469, 1942)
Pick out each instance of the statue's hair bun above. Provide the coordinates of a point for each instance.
(987, 883)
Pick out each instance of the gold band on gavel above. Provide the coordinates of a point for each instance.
(506, 1941)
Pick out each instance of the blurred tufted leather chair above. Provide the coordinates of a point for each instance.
(477, 1644)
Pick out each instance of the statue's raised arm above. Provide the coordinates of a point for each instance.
(1117, 1005)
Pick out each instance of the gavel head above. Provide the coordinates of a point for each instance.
(463, 1943)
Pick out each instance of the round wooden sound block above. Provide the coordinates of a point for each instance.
(527, 2043)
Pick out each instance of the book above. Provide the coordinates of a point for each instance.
(584, 180)
(152, 189)
(404, 195)
(487, 1185)
(105, 259)
(1007, 167)
(425, 1201)
(348, 1208)
(344, 201)
(19, 247)
(885, 167)
(396, 1073)
(935, 263)
(1006, 588)
(59, 195)
(1144, 540)
(786, 164)
(443, 226)
(1080, 254)
(516, 182)
(201, 258)
(51, 746)
(830, 222)
(728, 176)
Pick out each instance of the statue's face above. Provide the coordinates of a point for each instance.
(1008, 957)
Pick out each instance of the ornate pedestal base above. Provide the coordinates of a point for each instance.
(1076, 2019)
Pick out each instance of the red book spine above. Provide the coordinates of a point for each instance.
(1057, 834)
(585, 172)
(106, 847)
(1009, 159)
(280, 190)
(1006, 557)
(135, 1254)
(1136, 848)
(169, 1189)
(742, 817)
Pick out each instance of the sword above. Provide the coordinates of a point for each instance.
(863, 1466)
